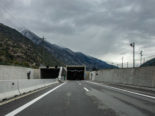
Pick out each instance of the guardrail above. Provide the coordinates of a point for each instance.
(11, 88)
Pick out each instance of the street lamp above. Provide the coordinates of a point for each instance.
(122, 62)
(127, 65)
(141, 55)
(43, 58)
(133, 46)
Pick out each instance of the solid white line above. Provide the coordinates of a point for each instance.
(140, 94)
(16, 111)
(85, 89)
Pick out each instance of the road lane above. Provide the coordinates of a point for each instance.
(23, 99)
(82, 98)
(18, 110)
(69, 100)
(123, 103)
(119, 89)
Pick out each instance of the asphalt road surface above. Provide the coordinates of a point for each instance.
(82, 98)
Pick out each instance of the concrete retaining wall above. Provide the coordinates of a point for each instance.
(144, 77)
(11, 88)
(15, 72)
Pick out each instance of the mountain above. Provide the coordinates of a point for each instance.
(16, 49)
(149, 63)
(66, 55)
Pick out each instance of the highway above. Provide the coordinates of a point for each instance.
(81, 98)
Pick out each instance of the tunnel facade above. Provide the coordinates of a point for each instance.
(49, 73)
(75, 72)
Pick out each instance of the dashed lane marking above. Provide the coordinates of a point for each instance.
(85, 89)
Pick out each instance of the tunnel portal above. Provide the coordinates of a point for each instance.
(75, 72)
(49, 73)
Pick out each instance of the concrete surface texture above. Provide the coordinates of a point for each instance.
(16, 72)
(144, 77)
(8, 89)
(82, 98)
(11, 88)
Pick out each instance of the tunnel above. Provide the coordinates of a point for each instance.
(75, 72)
(49, 73)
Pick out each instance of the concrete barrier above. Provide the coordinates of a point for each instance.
(30, 85)
(8, 88)
(144, 77)
(11, 88)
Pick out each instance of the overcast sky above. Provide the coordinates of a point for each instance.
(100, 28)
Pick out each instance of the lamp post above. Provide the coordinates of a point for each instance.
(43, 57)
(127, 65)
(133, 46)
(141, 55)
(122, 62)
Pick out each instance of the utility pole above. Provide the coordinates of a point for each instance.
(141, 55)
(43, 39)
(143, 60)
(127, 64)
(122, 62)
(133, 46)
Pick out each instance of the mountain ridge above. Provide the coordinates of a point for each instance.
(66, 55)
(150, 62)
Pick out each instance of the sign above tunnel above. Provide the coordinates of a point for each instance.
(75, 72)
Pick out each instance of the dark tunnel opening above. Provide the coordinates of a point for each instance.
(75, 73)
(49, 73)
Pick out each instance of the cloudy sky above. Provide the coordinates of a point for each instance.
(100, 28)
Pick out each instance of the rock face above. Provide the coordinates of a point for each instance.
(66, 55)
(16, 49)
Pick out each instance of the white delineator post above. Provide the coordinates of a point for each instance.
(60, 73)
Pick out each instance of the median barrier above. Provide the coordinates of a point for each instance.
(11, 88)
(8, 88)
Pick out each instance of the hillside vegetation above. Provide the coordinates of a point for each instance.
(149, 63)
(16, 49)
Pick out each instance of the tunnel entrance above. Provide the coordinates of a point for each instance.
(49, 73)
(75, 72)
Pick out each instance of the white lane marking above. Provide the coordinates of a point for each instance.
(16, 111)
(85, 89)
(140, 94)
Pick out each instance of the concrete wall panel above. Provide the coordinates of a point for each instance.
(15, 72)
(138, 76)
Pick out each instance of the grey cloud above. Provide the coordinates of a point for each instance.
(95, 27)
